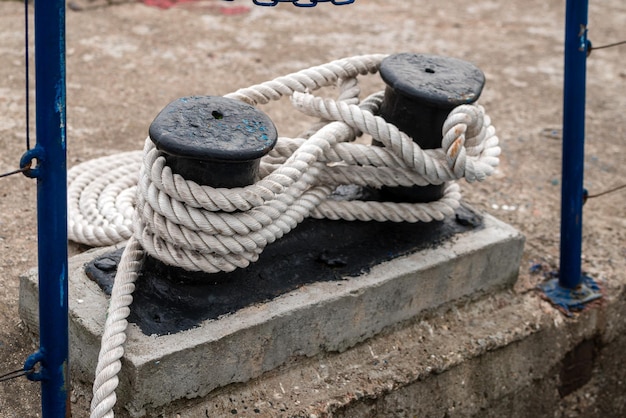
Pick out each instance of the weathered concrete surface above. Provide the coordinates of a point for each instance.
(319, 318)
(502, 356)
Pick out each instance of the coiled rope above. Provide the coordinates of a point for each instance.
(201, 228)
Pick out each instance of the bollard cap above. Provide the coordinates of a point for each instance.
(213, 128)
(433, 80)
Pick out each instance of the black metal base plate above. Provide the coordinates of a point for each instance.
(317, 250)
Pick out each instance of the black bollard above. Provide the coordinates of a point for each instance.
(421, 91)
(213, 141)
(209, 142)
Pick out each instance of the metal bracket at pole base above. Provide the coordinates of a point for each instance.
(569, 300)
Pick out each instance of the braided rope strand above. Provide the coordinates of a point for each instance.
(114, 334)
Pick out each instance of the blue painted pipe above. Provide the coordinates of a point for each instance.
(51, 362)
(576, 47)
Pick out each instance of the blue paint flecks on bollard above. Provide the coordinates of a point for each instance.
(253, 127)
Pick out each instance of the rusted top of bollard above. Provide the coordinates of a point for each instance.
(437, 81)
(213, 128)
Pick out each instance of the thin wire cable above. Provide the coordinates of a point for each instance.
(27, 70)
(607, 45)
(614, 189)
(15, 374)
(27, 93)
(19, 170)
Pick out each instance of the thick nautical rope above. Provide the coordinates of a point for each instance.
(114, 334)
(210, 229)
(196, 227)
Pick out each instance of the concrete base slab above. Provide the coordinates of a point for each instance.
(316, 318)
(504, 355)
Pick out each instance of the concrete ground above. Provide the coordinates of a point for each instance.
(127, 61)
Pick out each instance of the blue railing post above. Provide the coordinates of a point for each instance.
(51, 362)
(572, 289)
(576, 46)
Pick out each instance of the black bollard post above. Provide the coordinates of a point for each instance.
(218, 142)
(421, 91)
(213, 141)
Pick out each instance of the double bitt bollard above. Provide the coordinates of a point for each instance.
(218, 142)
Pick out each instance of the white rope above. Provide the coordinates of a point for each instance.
(101, 195)
(114, 335)
(201, 228)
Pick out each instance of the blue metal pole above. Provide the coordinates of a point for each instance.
(572, 290)
(576, 47)
(51, 362)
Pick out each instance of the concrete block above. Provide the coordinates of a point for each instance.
(316, 318)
